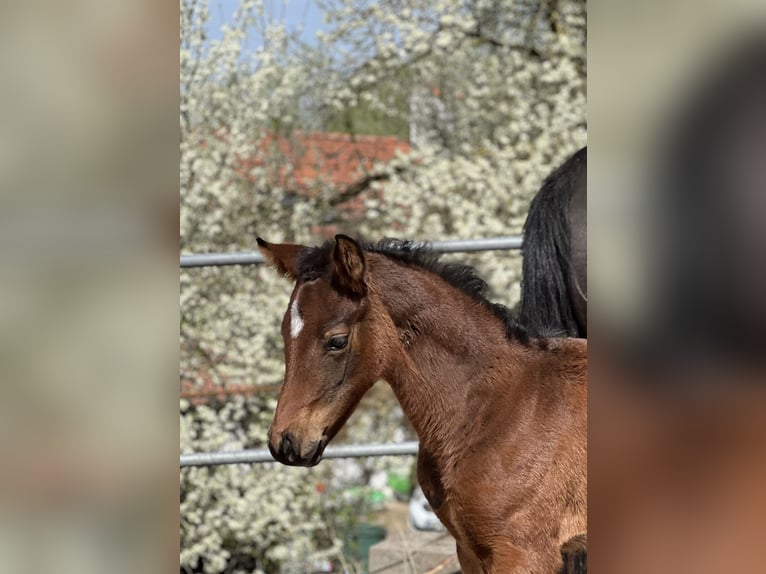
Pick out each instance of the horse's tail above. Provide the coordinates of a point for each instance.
(546, 307)
(574, 553)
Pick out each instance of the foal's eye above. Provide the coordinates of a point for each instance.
(337, 343)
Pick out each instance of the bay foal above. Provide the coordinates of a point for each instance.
(501, 418)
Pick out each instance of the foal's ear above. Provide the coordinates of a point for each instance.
(283, 256)
(348, 267)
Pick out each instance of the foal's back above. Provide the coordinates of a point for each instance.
(525, 466)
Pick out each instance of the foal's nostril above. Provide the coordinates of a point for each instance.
(289, 446)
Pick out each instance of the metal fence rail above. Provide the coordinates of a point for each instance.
(263, 455)
(450, 246)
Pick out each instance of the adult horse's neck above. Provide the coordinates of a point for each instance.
(448, 348)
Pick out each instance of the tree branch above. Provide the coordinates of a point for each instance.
(363, 185)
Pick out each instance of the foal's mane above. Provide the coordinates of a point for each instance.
(314, 262)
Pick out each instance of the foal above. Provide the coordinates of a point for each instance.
(501, 418)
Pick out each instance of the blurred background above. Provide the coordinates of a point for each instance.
(677, 134)
(88, 286)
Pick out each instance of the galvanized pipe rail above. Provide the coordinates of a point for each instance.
(449, 246)
(258, 455)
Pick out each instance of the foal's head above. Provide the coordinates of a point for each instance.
(332, 354)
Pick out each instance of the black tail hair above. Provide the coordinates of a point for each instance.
(546, 308)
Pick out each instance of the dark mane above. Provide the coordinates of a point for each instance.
(546, 306)
(313, 263)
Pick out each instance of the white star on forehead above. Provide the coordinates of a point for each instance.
(296, 321)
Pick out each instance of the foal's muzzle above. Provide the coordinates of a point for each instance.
(287, 449)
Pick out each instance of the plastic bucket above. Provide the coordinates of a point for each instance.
(365, 536)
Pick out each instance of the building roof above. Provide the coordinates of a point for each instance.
(316, 160)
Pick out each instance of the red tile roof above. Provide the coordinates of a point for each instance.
(315, 159)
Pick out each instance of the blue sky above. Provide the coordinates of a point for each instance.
(292, 12)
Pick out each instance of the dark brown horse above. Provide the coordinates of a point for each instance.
(501, 417)
(554, 290)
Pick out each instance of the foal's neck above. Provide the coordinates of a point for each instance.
(447, 346)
